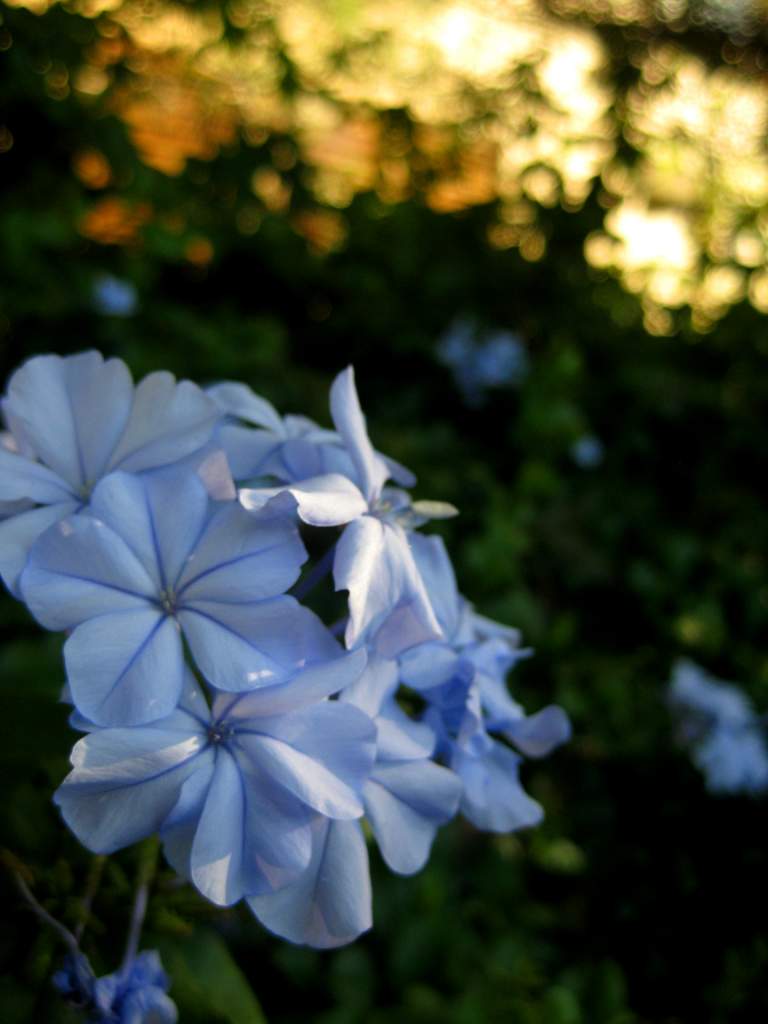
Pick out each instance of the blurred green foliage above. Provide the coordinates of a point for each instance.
(639, 899)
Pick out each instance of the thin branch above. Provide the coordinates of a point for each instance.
(64, 933)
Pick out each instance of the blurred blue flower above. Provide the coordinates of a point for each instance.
(136, 994)
(718, 724)
(482, 361)
(234, 791)
(588, 452)
(153, 559)
(74, 419)
(114, 297)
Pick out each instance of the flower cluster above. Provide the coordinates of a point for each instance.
(163, 527)
(717, 722)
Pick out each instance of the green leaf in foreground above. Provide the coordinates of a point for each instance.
(206, 983)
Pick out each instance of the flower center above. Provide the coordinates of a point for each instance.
(167, 600)
(219, 732)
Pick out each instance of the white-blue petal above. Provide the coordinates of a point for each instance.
(405, 804)
(218, 849)
(159, 516)
(126, 668)
(241, 647)
(19, 533)
(310, 685)
(238, 400)
(377, 683)
(371, 470)
(330, 905)
(72, 411)
(22, 478)
(493, 798)
(168, 420)
(539, 734)
(322, 754)
(80, 568)
(240, 559)
(249, 452)
(329, 500)
(434, 564)
(124, 782)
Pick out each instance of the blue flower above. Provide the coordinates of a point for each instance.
(153, 559)
(289, 448)
(719, 725)
(588, 451)
(479, 363)
(389, 608)
(114, 297)
(73, 420)
(136, 994)
(234, 791)
(406, 798)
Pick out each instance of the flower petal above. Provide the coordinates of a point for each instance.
(81, 568)
(539, 734)
(322, 754)
(240, 559)
(238, 400)
(329, 500)
(309, 686)
(405, 804)
(19, 532)
(493, 798)
(371, 470)
(217, 848)
(126, 668)
(330, 905)
(168, 420)
(241, 647)
(436, 570)
(124, 782)
(22, 478)
(387, 600)
(72, 411)
(378, 682)
(144, 512)
(249, 452)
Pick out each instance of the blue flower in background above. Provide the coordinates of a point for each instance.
(74, 419)
(588, 452)
(136, 994)
(718, 724)
(234, 791)
(153, 559)
(482, 361)
(114, 297)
